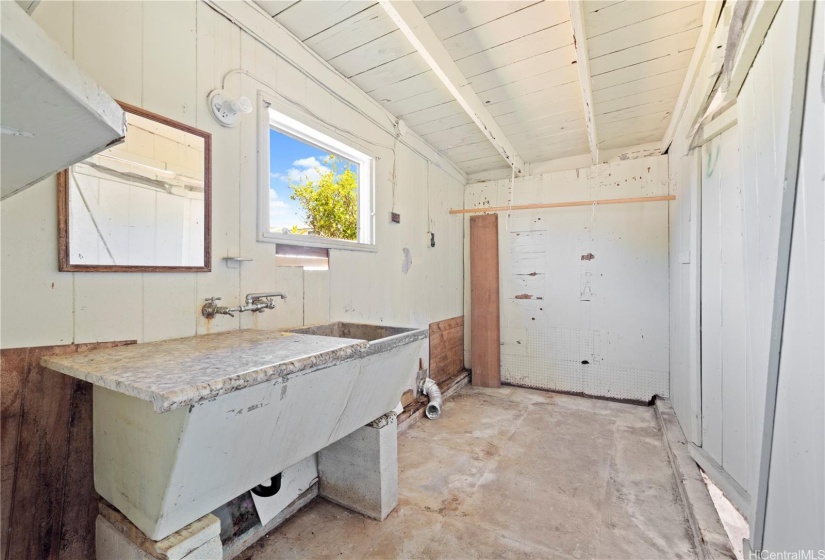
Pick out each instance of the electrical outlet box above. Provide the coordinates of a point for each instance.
(395, 217)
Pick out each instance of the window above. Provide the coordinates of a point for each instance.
(316, 191)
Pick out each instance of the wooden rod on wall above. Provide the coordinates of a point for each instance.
(563, 204)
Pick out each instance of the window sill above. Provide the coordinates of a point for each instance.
(310, 241)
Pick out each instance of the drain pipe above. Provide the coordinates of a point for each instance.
(430, 388)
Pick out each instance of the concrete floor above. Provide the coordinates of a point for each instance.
(509, 473)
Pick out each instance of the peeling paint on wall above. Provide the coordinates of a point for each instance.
(406, 264)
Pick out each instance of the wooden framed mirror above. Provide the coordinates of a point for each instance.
(143, 205)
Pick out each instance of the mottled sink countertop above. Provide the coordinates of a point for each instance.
(183, 371)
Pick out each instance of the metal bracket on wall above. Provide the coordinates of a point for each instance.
(235, 262)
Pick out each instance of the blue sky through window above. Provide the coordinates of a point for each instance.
(291, 159)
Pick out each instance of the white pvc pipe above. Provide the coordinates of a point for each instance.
(430, 388)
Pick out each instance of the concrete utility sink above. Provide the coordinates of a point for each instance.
(183, 426)
(379, 336)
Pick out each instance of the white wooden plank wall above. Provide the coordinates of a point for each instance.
(723, 413)
(795, 512)
(724, 363)
(764, 110)
(560, 307)
(166, 57)
(685, 177)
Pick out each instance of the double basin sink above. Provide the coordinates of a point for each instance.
(183, 426)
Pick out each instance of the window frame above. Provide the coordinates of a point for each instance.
(275, 117)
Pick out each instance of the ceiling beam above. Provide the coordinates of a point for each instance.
(412, 24)
(583, 65)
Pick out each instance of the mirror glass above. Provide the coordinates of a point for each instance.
(141, 205)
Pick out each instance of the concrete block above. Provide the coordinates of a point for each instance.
(111, 543)
(360, 471)
(116, 538)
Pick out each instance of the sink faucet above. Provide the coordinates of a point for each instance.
(254, 302)
(210, 308)
(262, 301)
(266, 296)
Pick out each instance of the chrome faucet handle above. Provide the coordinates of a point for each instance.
(213, 299)
(264, 303)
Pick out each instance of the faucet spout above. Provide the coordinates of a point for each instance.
(250, 298)
(256, 303)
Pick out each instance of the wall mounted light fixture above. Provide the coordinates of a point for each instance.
(226, 110)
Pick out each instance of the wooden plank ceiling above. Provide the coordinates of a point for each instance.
(520, 59)
(639, 53)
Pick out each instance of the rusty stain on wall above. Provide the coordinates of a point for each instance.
(588, 257)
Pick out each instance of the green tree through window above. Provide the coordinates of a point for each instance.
(331, 202)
